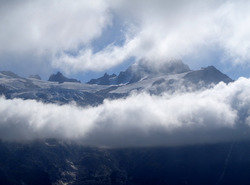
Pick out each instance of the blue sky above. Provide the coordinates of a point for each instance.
(85, 39)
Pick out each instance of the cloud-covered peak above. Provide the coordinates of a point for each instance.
(142, 69)
(171, 66)
(63, 34)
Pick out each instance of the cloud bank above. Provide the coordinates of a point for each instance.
(65, 31)
(213, 115)
(159, 30)
(50, 26)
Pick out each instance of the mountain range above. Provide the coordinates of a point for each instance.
(140, 77)
(52, 161)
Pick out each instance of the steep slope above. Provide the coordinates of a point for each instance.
(208, 75)
(105, 80)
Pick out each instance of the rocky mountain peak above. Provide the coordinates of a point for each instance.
(60, 78)
(140, 70)
(208, 75)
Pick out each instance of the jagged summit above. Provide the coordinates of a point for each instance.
(140, 70)
(139, 77)
(58, 77)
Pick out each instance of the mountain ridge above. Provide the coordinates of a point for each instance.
(139, 78)
(140, 70)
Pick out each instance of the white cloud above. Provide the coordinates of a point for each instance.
(212, 115)
(87, 60)
(180, 28)
(234, 26)
(154, 30)
(50, 26)
(159, 30)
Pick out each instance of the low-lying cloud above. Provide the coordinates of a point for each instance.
(213, 115)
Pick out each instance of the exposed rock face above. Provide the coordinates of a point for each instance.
(58, 77)
(105, 80)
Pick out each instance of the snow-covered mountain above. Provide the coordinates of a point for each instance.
(141, 70)
(141, 77)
